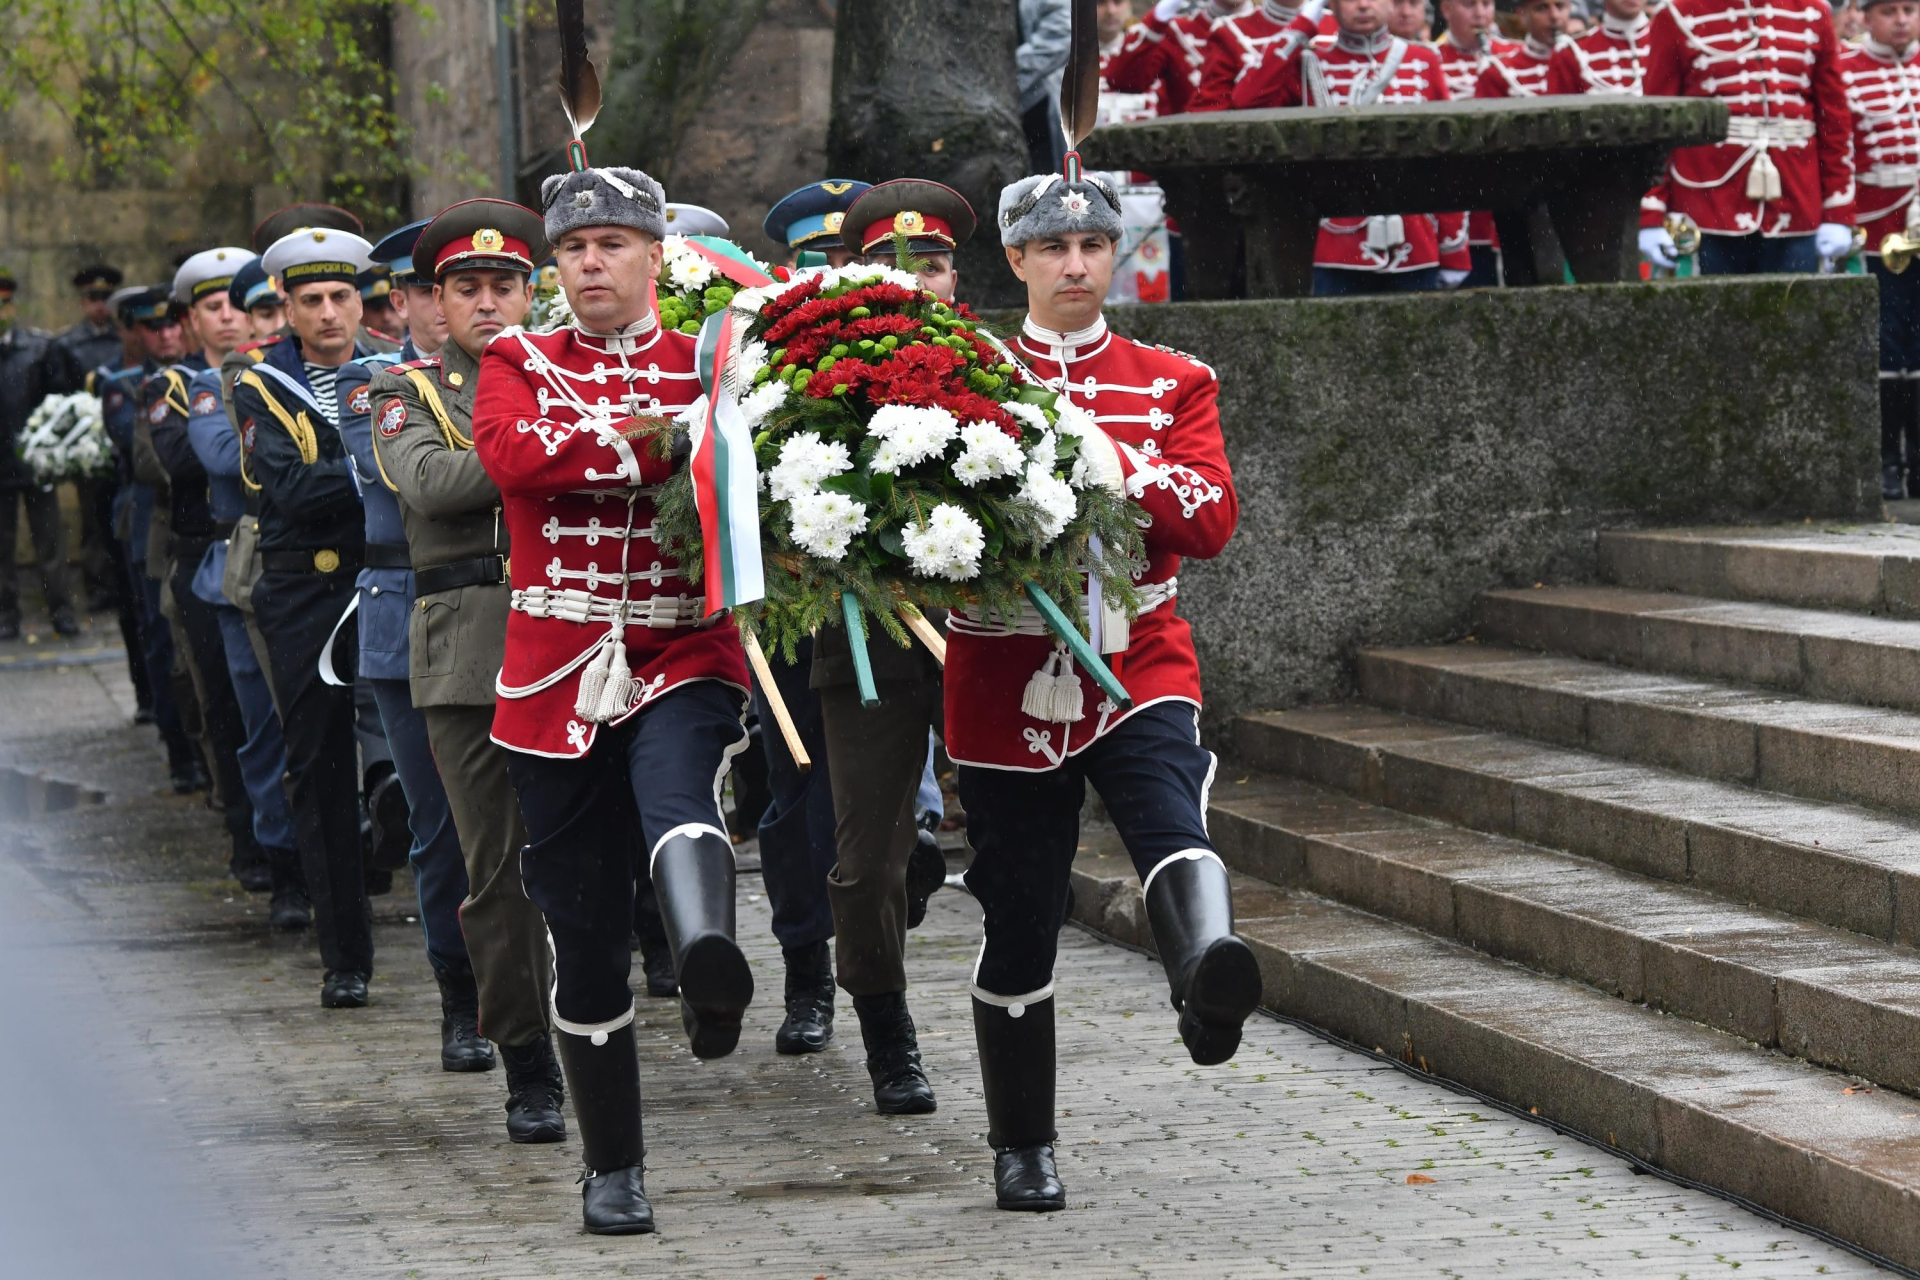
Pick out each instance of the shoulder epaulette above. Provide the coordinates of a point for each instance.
(424, 362)
(1175, 351)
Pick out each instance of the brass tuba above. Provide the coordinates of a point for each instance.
(1897, 250)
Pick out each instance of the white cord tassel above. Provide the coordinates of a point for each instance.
(593, 682)
(1763, 177)
(1053, 692)
(617, 695)
(1069, 704)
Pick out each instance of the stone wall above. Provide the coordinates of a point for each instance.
(1395, 456)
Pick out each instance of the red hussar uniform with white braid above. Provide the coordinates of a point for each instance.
(1883, 96)
(1785, 167)
(1236, 46)
(1462, 67)
(1162, 58)
(1611, 58)
(1118, 106)
(1353, 70)
(1519, 71)
(578, 501)
(1159, 408)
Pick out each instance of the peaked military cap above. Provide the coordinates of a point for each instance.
(98, 276)
(313, 254)
(143, 303)
(396, 250)
(252, 285)
(489, 234)
(206, 272)
(295, 217)
(1045, 205)
(810, 218)
(694, 220)
(933, 218)
(375, 281)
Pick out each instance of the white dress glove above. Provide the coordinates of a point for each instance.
(1657, 247)
(1312, 10)
(1450, 278)
(1833, 240)
(1168, 10)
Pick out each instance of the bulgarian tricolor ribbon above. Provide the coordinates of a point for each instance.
(726, 482)
(730, 260)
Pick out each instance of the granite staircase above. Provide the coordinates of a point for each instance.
(1641, 858)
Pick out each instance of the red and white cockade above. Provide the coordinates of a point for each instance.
(1611, 58)
(1786, 165)
(603, 620)
(1352, 70)
(1883, 96)
(1159, 408)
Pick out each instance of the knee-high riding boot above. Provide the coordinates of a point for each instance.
(1213, 976)
(604, 1079)
(1016, 1074)
(693, 879)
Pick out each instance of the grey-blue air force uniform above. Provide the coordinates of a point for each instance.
(263, 756)
(386, 601)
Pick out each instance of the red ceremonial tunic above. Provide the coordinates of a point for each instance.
(578, 501)
(1160, 409)
(1351, 70)
(1775, 65)
(1119, 106)
(1519, 71)
(1235, 47)
(1883, 95)
(1162, 58)
(1463, 67)
(1611, 58)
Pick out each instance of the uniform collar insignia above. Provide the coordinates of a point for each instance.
(1374, 44)
(1623, 28)
(1054, 340)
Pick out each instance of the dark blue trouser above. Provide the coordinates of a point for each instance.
(1486, 272)
(797, 848)
(263, 756)
(1755, 254)
(659, 771)
(439, 871)
(156, 650)
(1335, 282)
(1152, 774)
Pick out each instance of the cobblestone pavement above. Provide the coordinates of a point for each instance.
(331, 1144)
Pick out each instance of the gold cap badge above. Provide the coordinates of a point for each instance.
(833, 221)
(488, 240)
(908, 222)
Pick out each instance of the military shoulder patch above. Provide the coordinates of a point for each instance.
(246, 436)
(392, 418)
(360, 399)
(203, 403)
(424, 362)
(157, 414)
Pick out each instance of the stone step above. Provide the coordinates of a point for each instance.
(1840, 864)
(1828, 995)
(1821, 653)
(1871, 568)
(1805, 1143)
(1780, 742)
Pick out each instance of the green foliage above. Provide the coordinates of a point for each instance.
(291, 89)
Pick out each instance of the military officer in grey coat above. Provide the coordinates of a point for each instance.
(481, 253)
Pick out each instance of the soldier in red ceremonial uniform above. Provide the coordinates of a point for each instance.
(618, 698)
(1882, 79)
(1611, 58)
(1467, 47)
(1152, 431)
(1360, 65)
(1164, 52)
(1520, 71)
(1778, 194)
(1236, 45)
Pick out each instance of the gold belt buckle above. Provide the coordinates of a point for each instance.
(326, 560)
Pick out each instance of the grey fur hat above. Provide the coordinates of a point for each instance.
(603, 198)
(1046, 204)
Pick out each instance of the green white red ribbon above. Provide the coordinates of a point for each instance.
(726, 482)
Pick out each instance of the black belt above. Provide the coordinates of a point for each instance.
(387, 555)
(484, 571)
(320, 560)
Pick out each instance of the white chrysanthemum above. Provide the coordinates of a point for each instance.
(1074, 421)
(1050, 497)
(806, 460)
(885, 458)
(751, 301)
(925, 436)
(824, 523)
(752, 359)
(688, 270)
(763, 400)
(947, 546)
(989, 454)
(1031, 414)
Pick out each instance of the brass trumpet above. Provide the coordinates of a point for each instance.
(1686, 236)
(1897, 250)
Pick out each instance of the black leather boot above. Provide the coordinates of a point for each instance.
(605, 1079)
(809, 1021)
(462, 1047)
(900, 1085)
(1213, 976)
(343, 989)
(248, 864)
(1016, 1074)
(650, 935)
(926, 872)
(389, 838)
(289, 908)
(693, 880)
(535, 1090)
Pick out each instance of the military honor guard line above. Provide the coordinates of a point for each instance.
(401, 513)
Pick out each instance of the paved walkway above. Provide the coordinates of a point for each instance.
(273, 1138)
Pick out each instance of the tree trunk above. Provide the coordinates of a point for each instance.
(926, 89)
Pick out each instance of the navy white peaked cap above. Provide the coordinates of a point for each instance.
(315, 254)
(1046, 205)
(603, 198)
(209, 271)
